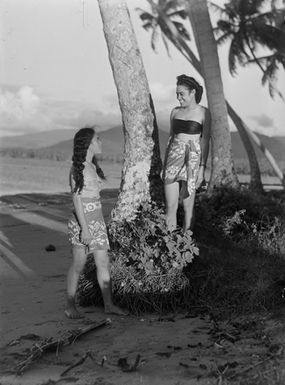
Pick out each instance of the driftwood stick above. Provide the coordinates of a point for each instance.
(50, 345)
(77, 363)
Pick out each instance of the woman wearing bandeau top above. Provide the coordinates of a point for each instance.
(187, 151)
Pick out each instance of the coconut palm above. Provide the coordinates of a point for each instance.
(251, 30)
(142, 162)
(162, 21)
(222, 162)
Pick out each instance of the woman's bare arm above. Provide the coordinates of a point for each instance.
(78, 207)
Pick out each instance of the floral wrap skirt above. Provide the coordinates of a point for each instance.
(182, 162)
(96, 224)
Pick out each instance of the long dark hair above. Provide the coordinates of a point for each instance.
(191, 84)
(81, 143)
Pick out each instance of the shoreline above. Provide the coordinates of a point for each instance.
(269, 183)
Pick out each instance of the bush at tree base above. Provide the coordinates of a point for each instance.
(148, 260)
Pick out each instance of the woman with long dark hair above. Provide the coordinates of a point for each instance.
(86, 227)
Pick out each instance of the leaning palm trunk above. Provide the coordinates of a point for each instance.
(268, 155)
(255, 177)
(142, 162)
(223, 172)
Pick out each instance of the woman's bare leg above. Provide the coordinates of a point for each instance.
(102, 262)
(79, 260)
(188, 205)
(171, 197)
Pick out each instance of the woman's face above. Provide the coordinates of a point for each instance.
(184, 96)
(96, 144)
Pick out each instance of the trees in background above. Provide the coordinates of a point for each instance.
(256, 35)
(252, 31)
(142, 162)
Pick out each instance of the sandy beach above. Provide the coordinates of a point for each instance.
(173, 349)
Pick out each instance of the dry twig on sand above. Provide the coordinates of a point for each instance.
(77, 363)
(50, 345)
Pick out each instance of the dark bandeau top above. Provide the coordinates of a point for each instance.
(181, 126)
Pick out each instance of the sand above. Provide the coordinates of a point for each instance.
(174, 349)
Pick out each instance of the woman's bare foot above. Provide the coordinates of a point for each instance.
(73, 313)
(112, 309)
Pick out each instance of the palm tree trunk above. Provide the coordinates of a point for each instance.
(268, 155)
(255, 177)
(141, 150)
(223, 172)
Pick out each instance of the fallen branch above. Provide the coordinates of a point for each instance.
(50, 345)
(77, 363)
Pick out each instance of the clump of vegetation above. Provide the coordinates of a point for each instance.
(241, 239)
(149, 261)
(240, 267)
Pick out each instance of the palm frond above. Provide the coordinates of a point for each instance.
(224, 38)
(144, 15)
(275, 16)
(164, 40)
(252, 7)
(169, 5)
(269, 36)
(237, 53)
(182, 30)
(181, 13)
(226, 26)
(268, 59)
(154, 38)
(269, 77)
(147, 26)
(232, 59)
(216, 8)
(232, 10)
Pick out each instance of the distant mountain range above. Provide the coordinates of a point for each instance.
(37, 139)
(61, 141)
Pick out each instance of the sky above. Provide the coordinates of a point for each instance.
(55, 72)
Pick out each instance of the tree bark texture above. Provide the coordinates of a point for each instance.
(223, 172)
(142, 161)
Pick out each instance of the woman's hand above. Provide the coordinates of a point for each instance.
(85, 236)
(201, 176)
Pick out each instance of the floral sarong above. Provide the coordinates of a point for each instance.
(182, 162)
(96, 224)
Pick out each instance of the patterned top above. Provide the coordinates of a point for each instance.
(92, 182)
